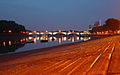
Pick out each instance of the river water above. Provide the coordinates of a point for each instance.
(30, 43)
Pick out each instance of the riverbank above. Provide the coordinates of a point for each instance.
(76, 58)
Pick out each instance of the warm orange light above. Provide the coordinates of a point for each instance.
(97, 32)
(4, 31)
(35, 40)
(9, 31)
(106, 32)
(3, 43)
(24, 39)
(27, 32)
(102, 32)
(21, 40)
(59, 31)
(73, 31)
(73, 39)
(35, 31)
(23, 32)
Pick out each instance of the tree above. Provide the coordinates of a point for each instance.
(10, 25)
(111, 24)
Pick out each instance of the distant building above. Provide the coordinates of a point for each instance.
(91, 26)
(96, 24)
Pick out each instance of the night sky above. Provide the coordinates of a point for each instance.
(58, 14)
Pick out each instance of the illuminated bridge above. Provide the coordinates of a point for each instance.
(60, 32)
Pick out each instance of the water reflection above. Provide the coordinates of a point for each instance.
(9, 43)
(13, 45)
(10, 46)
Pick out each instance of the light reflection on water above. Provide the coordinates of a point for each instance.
(29, 43)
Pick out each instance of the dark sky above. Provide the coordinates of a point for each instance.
(58, 14)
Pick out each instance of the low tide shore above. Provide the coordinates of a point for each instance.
(69, 59)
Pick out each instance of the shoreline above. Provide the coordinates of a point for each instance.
(42, 50)
(46, 48)
(66, 44)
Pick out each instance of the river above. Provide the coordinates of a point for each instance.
(31, 43)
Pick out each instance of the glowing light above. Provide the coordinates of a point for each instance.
(73, 39)
(89, 38)
(37, 33)
(41, 33)
(73, 31)
(77, 33)
(46, 38)
(52, 38)
(81, 33)
(102, 32)
(78, 38)
(46, 31)
(24, 39)
(81, 38)
(27, 39)
(85, 38)
(69, 33)
(30, 38)
(59, 40)
(4, 31)
(4, 43)
(9, 31)
(10, 43)
(54, 33)
(50, 33)
(23, 32)
(65, 38)
(35, 40)
(41, 38)
(27, 32)
(59, 31)
(65, 33)
(30, 33)
(21, 40)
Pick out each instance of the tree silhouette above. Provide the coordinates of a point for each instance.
(10, 25)
(111, 24)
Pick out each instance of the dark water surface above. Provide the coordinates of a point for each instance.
(10, 46)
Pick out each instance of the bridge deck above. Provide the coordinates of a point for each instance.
(99, 56)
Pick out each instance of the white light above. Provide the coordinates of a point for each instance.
(54, 33)
(77, 33)
(50, 33)
(78, 38)
(37, 38)
(41, 33)
(37, 33)
(30, 38)
(81, 33)
(30, 33)
(69, 33)
(64, 38)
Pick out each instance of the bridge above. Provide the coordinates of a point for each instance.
(60, 32)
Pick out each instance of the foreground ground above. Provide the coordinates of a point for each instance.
(96, 57)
